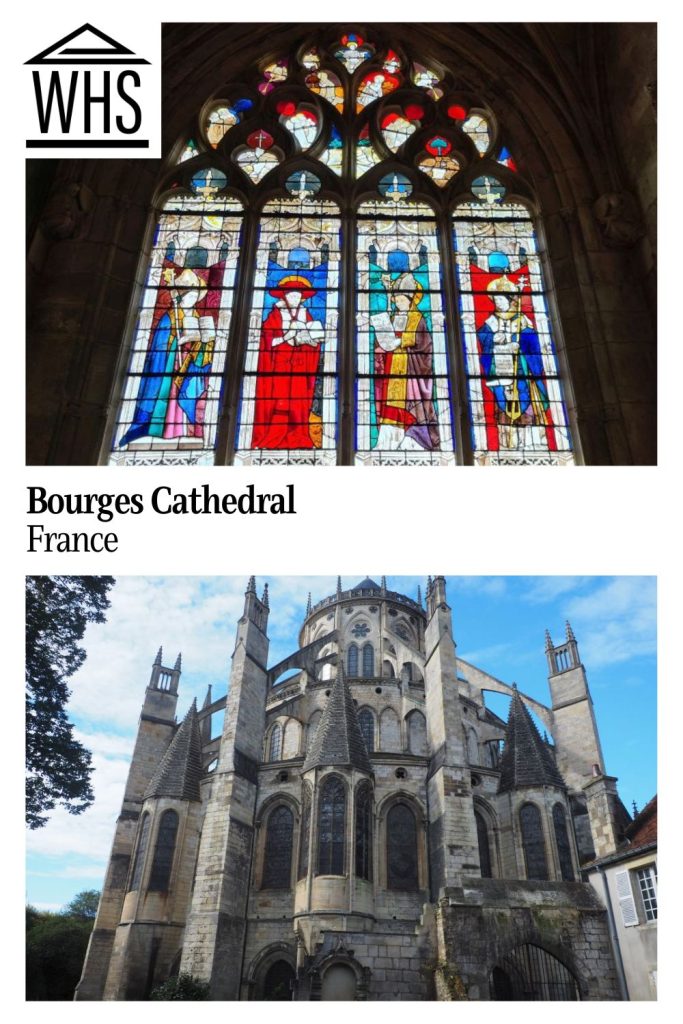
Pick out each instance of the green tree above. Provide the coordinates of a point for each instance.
(184, 986)
(55, 951)
(58, 767)
(84, 905)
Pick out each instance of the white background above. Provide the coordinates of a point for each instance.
(356, 521)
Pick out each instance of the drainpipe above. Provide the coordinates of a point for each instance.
(616, 948)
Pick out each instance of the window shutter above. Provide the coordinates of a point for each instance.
(627, 904)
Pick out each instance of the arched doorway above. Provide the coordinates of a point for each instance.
(531, 974)
(277, 984)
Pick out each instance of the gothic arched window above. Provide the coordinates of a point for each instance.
(368, 661)
(275, 749)
(564, 851)
(139, 863)
(533, 842)
(277, 853)
(484, 845)
(160, 874)
(366, 721)
(332, 827)
(352, 660)
(344, 269)
(364, 831)
(305, 837)
(402, 868)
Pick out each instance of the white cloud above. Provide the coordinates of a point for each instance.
(616, 621)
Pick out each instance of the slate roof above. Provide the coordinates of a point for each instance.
(366, 584)
(526, 759)
(338, 739)
(180, 768)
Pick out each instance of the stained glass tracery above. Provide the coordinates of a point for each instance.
(333, 120)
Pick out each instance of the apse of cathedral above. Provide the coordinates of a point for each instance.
(364, 827)
(368, 245)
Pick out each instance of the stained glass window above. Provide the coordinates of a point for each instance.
(277, 854)
(139, 863)
(332, 827)
(533, 842)
(305, 837)
(564, 851)
(363, 837)
(516, 405)
(368, 661)
(160, 874)
(172, 393)
(302, 304)
(484, 847)
(275, 743)
(403, 392)
(366, 721)
(402, 849)
(352, 660)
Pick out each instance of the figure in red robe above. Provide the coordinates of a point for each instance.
(289, 357)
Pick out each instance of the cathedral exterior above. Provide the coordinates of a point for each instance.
(365, 830)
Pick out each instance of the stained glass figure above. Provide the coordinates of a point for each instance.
(398, 125)
(506, 159)
(302, 184)
(171, 395)
(220, 119)
(440, 165)
(352, 52)
(425, 78)
(477, 127)
(516, 407)
(273, 75)
(311, 59)
(258, 157)
(300, 121)
(366, 154)
(289, 395)
(403, 405)
(379, 83)
(326, 85)
(333, 154)
(189, 151)
(332, 827)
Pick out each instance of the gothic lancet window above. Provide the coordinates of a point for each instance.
(484, 846)
(366, 722)
(533, 842)
(344, 269)
(160, 874)
(352, 660)
(402, 869)
(275, 749)
(305, 837)
(139, 863)
(363, 838)
(277, 855)
(332, 827)
(564, 851)
(368, 661)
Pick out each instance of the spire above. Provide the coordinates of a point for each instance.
(180, 769)
(339, 586)
(264, 599)
(338, 739)
(308, 604)
(160, 654)
(526, 760)
(384, 583)
(178, 662)
(419, 595)
(207, 699)
(548, 641)
(570, 632)
(251, 585)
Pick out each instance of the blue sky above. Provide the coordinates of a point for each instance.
(499, 624)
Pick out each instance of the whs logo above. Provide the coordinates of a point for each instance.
(91, 92)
